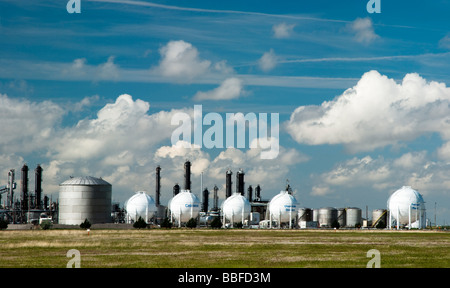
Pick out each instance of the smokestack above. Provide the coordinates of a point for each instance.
(216, 198)
(38, 186)
(240, 182)
(187, 175)
(250, 193)
(205, 200)
(176, 189)
(24, 194)
(228, 183)
(45, 202)
(158, 186)
(11, 187)
(258, 193)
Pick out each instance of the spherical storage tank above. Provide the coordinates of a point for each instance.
(83, 198)
(236, 208)
(184, 206)
(283, 207)
(407, 207)
(140, 205)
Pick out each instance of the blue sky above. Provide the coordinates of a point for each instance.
(362, 98)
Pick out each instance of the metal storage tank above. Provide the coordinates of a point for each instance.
(283, 208)
(236, 208)
(315, 214)
(83, 198)
(305, 214)
(407, 207)
(184, 206)
(379, 216)
(354, 217)
(327, 215)
(341, 217)
(140, 205)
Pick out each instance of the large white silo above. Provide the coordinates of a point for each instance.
(407, 207)
(83, 198)
(283, 208)
(327, 216)
(353, 217)
(235, 208)
(140, 205)
(184, 206)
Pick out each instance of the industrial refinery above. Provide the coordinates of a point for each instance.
(90, 198)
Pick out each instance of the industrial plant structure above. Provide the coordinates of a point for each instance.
(30, 207)
(82, 198)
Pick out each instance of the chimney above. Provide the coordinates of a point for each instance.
(38, 186)
(240, 182)
(24, 195)
(158, 186)
(228, 183)
(187, 175)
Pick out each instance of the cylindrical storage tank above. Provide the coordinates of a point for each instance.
(354, 217)
(305, 214)
(140, 205)
(184, 206)
(341, 217)
(236, 208)
(379, 217)
(327, 215)
(283, 207)
(83, 198)
(406, 206)
(315, 214)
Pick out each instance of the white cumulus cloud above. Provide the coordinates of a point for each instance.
(230, 88)
(180, 61)
(268, 61)
(363, 30)
(282, 30)
(375, 113)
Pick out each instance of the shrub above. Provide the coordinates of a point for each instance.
(166, 223)
(86, 224)
(192, 223)
(3, 224)
(238, 225)
(46, 225)
(140, 223)
(335, 224)
(216, 223)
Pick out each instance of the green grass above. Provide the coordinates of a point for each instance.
(182, 248)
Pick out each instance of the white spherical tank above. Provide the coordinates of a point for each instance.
(236, 208)
(407, 206)
(140, 205)
(184, 206)
(283, 207)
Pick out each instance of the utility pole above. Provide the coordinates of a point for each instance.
(435, 223)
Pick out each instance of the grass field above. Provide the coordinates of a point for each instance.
(182, 248)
